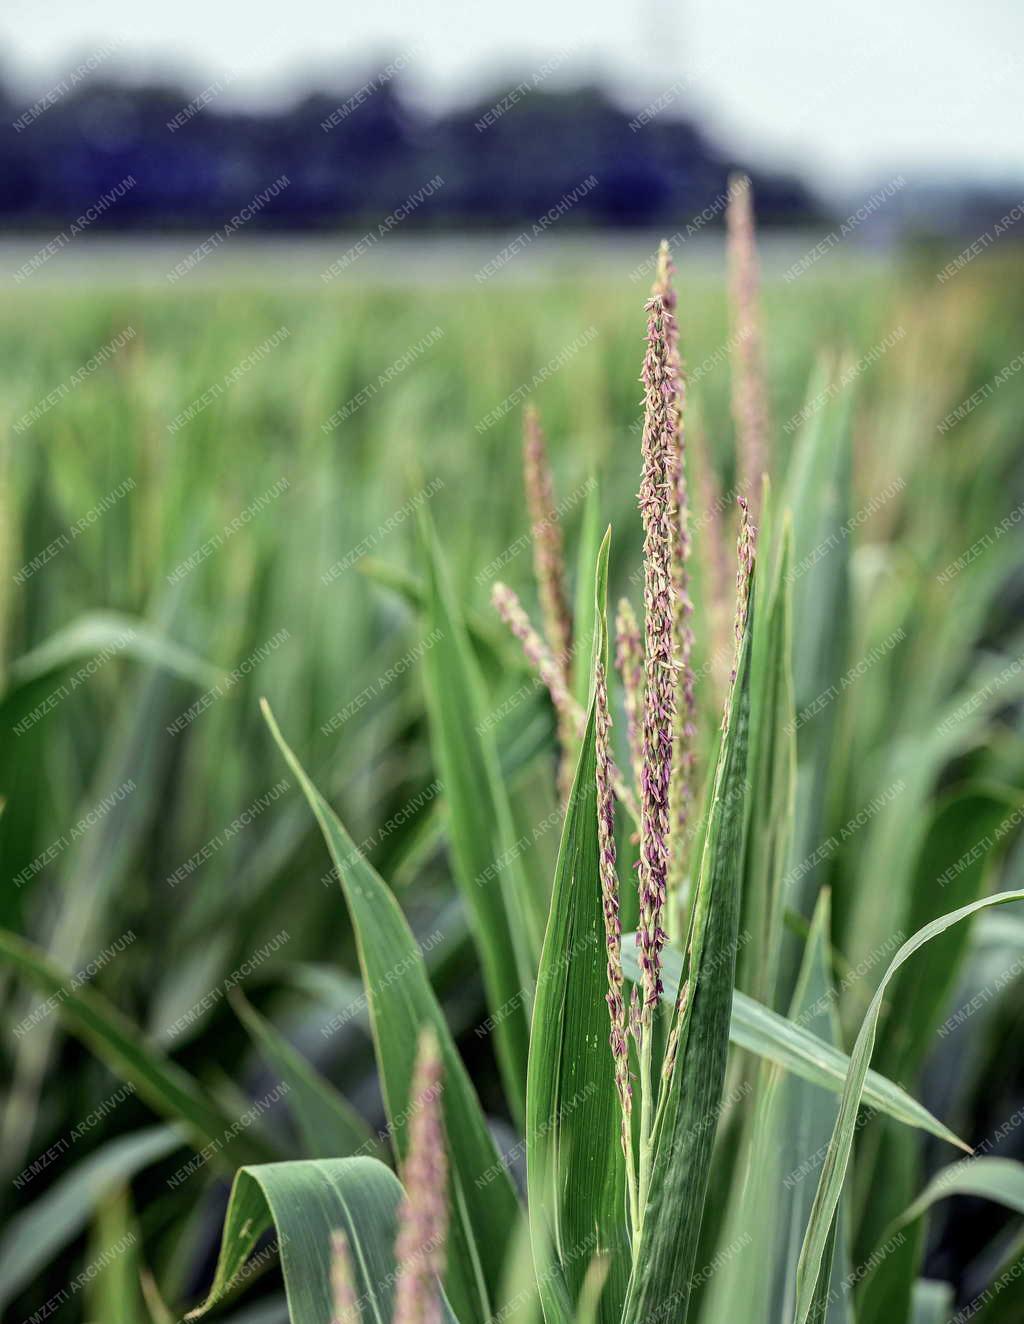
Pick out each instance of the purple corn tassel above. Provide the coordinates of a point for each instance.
(746, 543)
(749, 393)
(549, 570)
(548, 556)
(656, 508)
(423, 1213)
(536, 651)
(684, 735)
(539, 657)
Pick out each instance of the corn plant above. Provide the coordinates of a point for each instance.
(704, 1134)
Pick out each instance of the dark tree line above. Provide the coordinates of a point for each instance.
(355, 157)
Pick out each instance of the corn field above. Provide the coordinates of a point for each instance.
(511, 800)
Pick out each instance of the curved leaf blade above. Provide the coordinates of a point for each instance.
(401, 1001)
(764, 1032)
(887, 1292)
(830, 1185)
(165, 1086)
(97, 631)
(575, 1166)
(306, 1201)
(39, 1232)
(664, 1261)
(328, 1124)
(487, 867)
(998, 1179)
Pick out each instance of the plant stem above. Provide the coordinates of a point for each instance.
(631, 1186)
(646, 1111)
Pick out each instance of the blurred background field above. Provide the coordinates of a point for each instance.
(259, 549)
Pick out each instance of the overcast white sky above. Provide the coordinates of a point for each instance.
(848, 93)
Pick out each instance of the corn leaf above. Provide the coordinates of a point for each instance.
(817, 494)
(953, 866)
(788, 1123)
(305, 1202)
(98, 863)
(887, 1292)
(400, 1002)
(777, 1039)
(772, 776)
(932, 1302)
(97, 631)
(164, 1085)
(39, 1232)
(963, 833)
(114, 1293)
(487, 867)
(488, 638)
(813, 1253)
(328, 1124)
(575, 1165)
(665, 1258)
(914, 757)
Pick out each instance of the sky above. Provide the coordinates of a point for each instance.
(848, 95)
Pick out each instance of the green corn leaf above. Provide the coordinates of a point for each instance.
(953, 867)
(887, 1292)
(39, 1232)
(819, 1227)
(931, 1303)
(1000, 1180)
(814, 1004)
(913, 758)
(114, 1294)
(788, 1124)
(98, 631)
(491, 878)
(817, 493)
(665, 1259)
(1002, 1301)
(328, 1124)
(164, 1085)
(777, 1039)
(305, 1202)
(488, 638)
(98, 863)
(961, 840)
(400, 1002)
(772, 775)
(575, 1165)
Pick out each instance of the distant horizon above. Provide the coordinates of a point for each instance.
(844, 104)
(242, 94)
